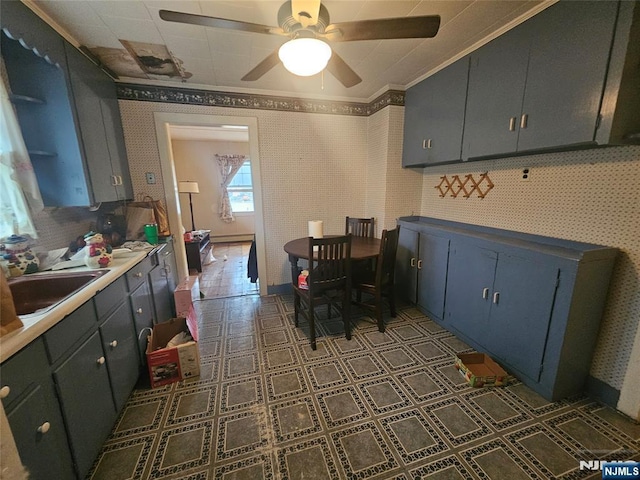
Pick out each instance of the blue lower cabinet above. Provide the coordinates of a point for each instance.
(41, 438)
(121, 351)
(87, 402)
(532, 303)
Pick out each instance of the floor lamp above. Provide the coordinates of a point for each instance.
(190, 188)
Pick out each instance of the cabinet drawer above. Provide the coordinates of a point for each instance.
(65, 334)
(109, 298)
(25, 369)
(138, 274)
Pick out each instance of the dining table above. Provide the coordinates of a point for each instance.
(362, 248)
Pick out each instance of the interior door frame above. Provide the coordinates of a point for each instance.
(162, 122)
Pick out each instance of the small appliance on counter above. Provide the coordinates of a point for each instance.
(113, 228)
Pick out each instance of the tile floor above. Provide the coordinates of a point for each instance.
(382, 406)
(227, 275)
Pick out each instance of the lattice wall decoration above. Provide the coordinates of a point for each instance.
(466, 186)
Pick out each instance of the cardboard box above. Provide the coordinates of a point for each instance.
(481, 371)
(185, 294)
(168, 365)
(187, 291)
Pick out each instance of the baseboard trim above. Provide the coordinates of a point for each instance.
(232, 238)
(283, 289)
(599, 390)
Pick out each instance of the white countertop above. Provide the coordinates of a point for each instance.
(36, 324)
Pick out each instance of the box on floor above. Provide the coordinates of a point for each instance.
(171, 364)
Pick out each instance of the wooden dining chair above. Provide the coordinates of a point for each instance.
(360, 227)
(329, 281)
(379, 282)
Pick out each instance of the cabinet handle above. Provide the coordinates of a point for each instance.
(413, 262)
(119, 180)
(485, 293)
(419, 264)
(138, 274)
(523, 120)
(496, 297)
(113, 344)
(100, 361)
(44, 428)
(426, 144)
(139, 311)
(512, 124)
(5, 391)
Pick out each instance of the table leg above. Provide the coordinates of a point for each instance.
(295, 270)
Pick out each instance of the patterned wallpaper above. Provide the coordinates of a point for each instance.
(590, 196)
(312, 168)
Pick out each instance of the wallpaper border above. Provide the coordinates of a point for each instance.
(190, 96)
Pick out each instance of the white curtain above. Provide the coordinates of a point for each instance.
(19, 193)
(228, 166)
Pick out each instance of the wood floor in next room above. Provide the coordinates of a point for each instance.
(227, 275)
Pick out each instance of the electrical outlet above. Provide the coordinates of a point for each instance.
(526, 174)
(151, 178)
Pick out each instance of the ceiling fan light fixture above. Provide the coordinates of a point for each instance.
(305, 56)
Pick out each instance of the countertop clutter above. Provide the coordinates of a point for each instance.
(36, 324)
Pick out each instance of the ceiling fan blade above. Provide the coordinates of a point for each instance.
(206, 21)
(343, 72)
(263, 67)
(384, 28)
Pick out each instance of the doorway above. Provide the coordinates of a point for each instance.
(164, 122)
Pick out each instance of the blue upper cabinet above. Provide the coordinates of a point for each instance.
(567, 78)
(68, 113)
(540, 85)
(98, 116)
(434, 117)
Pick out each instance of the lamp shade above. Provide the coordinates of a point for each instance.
(188, 187)
(305, 56)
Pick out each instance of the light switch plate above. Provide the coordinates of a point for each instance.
(151, 178)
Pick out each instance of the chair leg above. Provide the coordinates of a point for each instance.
(378, 301)
(312, 324)
(296, 307)
(346, 314)
(392, 302)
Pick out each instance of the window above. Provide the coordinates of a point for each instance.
(241, 190)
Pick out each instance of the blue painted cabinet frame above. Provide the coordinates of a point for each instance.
(532, 303)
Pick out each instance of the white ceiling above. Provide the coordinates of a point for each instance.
(218, 58)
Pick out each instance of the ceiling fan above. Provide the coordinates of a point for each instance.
(307, 24)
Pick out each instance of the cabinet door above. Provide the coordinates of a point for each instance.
(38, 430)
(406, 265)
(469, 286)
(85, 78)
(142, 308)
(497, 75)
(87, 404)
(115, 139)
(121, 348)
(432, 273)
(522, 301)
(433, 126)
(567, 72)
(161, 294)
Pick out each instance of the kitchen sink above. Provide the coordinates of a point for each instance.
(37, 292)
